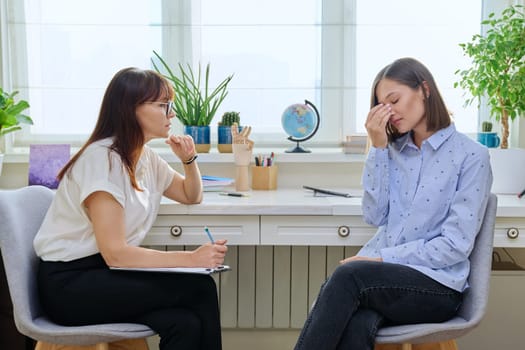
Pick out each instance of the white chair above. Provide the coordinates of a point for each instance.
(442, 335)
(21, 214)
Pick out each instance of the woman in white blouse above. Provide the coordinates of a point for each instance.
(426, 187)
(106, 202)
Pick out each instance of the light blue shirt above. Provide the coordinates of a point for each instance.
(428, 203)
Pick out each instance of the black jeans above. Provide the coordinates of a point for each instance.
(361, 296)
(182, 308)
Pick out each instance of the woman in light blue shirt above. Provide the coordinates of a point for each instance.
(426, 187)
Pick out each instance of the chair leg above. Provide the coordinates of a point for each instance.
(449, 345)
(126, 344)
(48, 346)
(129, 344)
(444, 345)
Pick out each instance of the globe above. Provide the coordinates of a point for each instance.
(300, 121)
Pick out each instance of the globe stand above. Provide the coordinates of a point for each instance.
(298, 149)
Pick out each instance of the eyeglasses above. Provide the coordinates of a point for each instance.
(169, 105)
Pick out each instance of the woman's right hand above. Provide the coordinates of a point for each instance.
(210, 254)
(376, 123)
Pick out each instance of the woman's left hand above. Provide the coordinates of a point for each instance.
(182, 146)
(355, 258)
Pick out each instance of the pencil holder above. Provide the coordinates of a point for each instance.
(264, 177)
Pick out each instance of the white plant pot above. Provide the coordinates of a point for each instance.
(508, 168)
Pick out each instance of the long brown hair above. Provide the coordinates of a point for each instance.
(129, 88)
(412, 73)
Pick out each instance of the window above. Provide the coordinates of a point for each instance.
(427, 30)
(63, 53)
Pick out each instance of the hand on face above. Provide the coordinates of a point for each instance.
(376, 123)
(182, 146)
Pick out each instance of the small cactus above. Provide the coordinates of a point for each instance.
(486, 126)
(228, 118)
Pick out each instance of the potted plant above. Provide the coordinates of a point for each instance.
(195, 102)
(498, 74)
(224, 133)
(486, 126)
(498, 67)
(11, 115)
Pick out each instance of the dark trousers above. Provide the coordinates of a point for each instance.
(363, 295)
(182, 308)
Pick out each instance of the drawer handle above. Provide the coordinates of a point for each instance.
(343, 231)
(176, 231)
(513, 233)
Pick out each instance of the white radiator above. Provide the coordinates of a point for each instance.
(272, 286)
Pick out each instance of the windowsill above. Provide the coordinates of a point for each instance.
(318, 155)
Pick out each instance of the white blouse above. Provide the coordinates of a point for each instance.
(67, 233)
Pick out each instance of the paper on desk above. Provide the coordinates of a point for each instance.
(199, 270)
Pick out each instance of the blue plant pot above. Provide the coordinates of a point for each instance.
(201, 137)
(224, 133)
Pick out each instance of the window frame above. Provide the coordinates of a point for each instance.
(338, 37)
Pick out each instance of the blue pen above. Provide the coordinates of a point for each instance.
(209, 234)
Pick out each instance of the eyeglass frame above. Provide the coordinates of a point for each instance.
(169, 105)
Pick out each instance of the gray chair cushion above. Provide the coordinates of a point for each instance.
(21, 214)
(475, 300)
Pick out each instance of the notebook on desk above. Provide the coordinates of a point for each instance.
(199, 270)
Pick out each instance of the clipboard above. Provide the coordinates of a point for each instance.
(198, 270)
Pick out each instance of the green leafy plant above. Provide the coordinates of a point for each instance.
(194, 104)
(498, 67)
(11, 113)
(228, 118)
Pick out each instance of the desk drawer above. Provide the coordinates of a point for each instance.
(315, 230)
(189, 229)
(509, 232)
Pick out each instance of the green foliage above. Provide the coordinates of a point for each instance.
(228, 118)
(11, 113)
(194, 104)
(498, 65)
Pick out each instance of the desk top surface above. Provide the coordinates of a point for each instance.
(299, 202)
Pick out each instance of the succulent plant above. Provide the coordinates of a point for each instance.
(486, 126)
(228, 118)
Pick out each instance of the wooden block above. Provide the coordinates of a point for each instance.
(264, 177)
